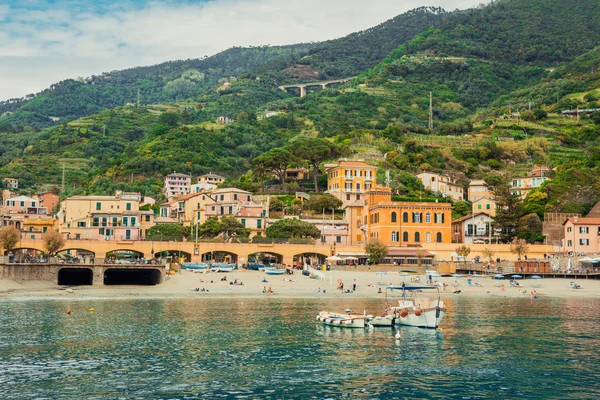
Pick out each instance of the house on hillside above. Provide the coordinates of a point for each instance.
(224, 120)
(443, 184)
(472, 229)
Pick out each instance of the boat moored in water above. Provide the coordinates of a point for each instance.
(343, 320)
(421, 312)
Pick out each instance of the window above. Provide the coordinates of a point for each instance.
(347, 197)
(125, 221)
(248, 198)
(133, 221)
(428, 218)
(584, 229)
(584, 242)
(235, 196)
(569, 243)
(569, 229)
(358, 197)
(128, 234)
(259, 224)
(31, 229)
(244, 221)
(394, 236)
(115, 221)
(147, 218)
(98, 206)
(81, 224)
(230, 210)
(338, 239)
(428, 237)
(22, 204)
(128, 206)
(487, 207)
(479, 206)
(45, 229)
(405, 236)
(417, 237)
(104, 219)
(416, 217)
(393, 220)
(96, 221)
(101, 231)
(405, 217)
(222, 197)
(438, 237)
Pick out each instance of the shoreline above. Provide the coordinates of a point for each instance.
(182, 286)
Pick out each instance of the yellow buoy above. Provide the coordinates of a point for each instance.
(92, 309)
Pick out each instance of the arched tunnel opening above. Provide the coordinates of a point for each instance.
(138, 276)
(75, 276)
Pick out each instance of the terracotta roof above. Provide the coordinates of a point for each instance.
(188, 196)
(583, 221)
(595, 212)
(467, 217)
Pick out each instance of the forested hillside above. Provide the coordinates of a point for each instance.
(493, 116)
(179, 80)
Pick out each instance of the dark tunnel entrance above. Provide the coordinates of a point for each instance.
(138, 276)
(75, 276)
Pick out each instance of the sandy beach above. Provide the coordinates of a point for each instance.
(184, 285)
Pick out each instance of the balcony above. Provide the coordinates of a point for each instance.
(357, 191)
(348, 177)
(368, 178)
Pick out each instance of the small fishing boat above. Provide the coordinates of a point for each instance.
(382, 320)
(343, 320)
(222, 267)
(415, 311)
(194, 266)
(274, 271)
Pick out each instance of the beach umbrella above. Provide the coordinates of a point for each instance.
(516, 276)
(350, 259)
(535, 277)
(334, 258)
(498, 276)
(456, 275)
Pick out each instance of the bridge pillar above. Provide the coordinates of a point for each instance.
(302, 91)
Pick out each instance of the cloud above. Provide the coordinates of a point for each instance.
(42, 41)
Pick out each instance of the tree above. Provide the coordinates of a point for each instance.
(231, 227)
(167, 232)
(509, 209)
(376, 251)
(260, 171)
(53, 241)
(420, 254)
(519, 247)
(292, 228)
(9, 237)
(210, 228)
(276, 205)
(488, 254)
(275, 161)
(463, 250)
(320, 202)
(314, 151)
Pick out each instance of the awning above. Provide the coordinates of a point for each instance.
(351, 254)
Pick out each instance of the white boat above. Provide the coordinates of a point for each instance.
(420, 312)
(343, 320)
(382, 320)
(222, 267)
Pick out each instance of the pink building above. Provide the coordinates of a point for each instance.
(582, 235)
(23, 205)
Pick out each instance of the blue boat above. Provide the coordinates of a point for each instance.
(194, 266)
(274, 271)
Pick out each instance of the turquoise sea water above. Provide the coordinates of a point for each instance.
(269, 348)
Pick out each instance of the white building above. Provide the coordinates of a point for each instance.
(176, 185)
(442, 184)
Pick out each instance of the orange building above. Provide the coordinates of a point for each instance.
(49, 200)
(399, 223)
(349, 180)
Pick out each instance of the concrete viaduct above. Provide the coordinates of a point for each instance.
(322, 84)
(241, 252)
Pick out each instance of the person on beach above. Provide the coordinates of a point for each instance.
(379, 291)
(354, 285)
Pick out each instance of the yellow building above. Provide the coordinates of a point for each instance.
(398, 223)
(35, 226)
(484, 205)
(478, 189)
(115, 217)
(349, 180)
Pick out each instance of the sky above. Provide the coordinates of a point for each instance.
(46, 41)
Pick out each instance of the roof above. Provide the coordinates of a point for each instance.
(177, 174)
(211, 175)
(188, 196)
(90, 198)
(477, 182)
(485, 198)
(350, 163)
(409, 204)
(21, 198)
(583, 221)
(470, 216)
(230, 190)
